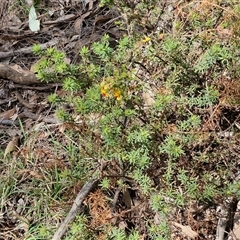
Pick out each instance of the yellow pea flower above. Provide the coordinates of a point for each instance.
(117, 94)
(105, 89)
(146, 39)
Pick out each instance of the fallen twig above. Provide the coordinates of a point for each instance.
(39, 117)
(47, 86)
(86, 189)
(27, 50)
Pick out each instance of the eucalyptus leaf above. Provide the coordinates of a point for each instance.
(34, 24)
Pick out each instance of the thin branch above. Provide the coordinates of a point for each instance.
(27, 50)
(86, 189)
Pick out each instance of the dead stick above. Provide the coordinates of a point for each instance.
(86, 189)
(39, 117)
(48, 86)
(26, 50)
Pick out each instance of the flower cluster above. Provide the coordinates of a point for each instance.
(108, 90)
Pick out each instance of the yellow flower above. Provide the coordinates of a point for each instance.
(146, 39)
(117, 94)
(105, 93)
(108, 91)
(105, 89)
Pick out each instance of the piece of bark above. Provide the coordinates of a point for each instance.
(9, 122)
(86, 189)
(18, 76)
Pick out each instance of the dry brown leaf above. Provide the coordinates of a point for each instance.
(186, 230)
(78, 23)
(90, 2)
(62, 128)
(35, 175)
(115, 32)
(101, 19)
(7, 114)
(12, 145)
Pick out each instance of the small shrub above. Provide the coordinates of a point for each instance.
(146, 96)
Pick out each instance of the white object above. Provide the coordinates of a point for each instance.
(34, 24)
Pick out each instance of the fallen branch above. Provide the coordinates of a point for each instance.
(17, 75)
(47, 86)
(26, 50)
(86, 189)
(39, 117)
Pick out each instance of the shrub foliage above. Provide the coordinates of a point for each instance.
(153, 105)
